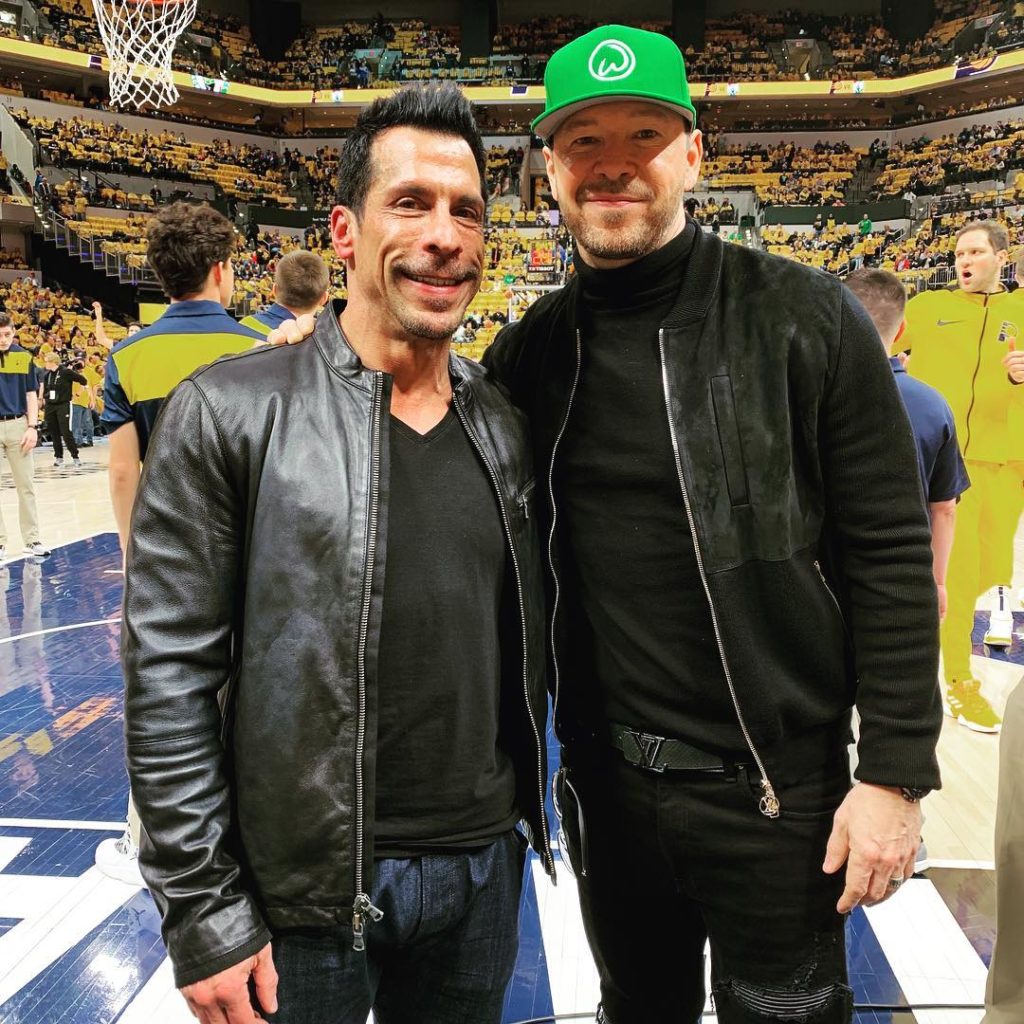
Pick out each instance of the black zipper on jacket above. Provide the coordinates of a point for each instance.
(554, 523)
(363, 910)
(769, 801)
(549, 865)
(974, 379)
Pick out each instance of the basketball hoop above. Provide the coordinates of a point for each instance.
(139, 37)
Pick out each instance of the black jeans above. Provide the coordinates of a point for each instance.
(666, 861)
(442, 954)
(58, 426)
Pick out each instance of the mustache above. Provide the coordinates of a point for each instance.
(455, 272)
(628, 190)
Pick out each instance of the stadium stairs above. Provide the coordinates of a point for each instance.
(85, 268)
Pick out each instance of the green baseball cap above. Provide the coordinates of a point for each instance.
(614, 62)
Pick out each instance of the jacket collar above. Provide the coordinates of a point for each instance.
(335, 348)
(700, 285)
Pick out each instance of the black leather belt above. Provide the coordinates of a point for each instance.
(661, 753)
(16, 416)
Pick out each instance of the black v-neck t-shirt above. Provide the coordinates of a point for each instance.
(443, 780)
(641, 641)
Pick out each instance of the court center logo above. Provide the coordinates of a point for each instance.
(612, 61)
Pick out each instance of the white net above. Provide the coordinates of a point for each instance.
(139, 36)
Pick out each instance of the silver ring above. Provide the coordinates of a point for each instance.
(895, 883)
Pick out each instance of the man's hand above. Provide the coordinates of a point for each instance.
(28, 440)
(291, 332)
(1014, 363)
(878, 833)
(224, 998)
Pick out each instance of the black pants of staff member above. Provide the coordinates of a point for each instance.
(58, 426)
(666, 861)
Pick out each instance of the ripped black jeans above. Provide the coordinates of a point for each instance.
(667, 861)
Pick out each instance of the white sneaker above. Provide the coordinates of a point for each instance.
(77, 463)
(58, 463)
(119, 859)
(1000, 623)
(37, 550)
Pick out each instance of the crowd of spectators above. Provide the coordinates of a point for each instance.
(739, 48)
(784, 174)
(246, 172)
(976, 153)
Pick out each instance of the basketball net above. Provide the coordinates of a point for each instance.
(139, 36)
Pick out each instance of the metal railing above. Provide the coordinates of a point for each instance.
(65, 233)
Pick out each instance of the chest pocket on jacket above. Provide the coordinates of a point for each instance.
(729, 439)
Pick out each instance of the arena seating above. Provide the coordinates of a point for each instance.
(48, 318)
(246, 173)
(785, 174)
(925, 166)
(738, 49)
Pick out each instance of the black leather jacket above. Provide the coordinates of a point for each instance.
(799, 482)
(256, 565)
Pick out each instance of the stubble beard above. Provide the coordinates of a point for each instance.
(615, 238)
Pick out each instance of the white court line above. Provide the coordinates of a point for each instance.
(11, 559)
(57, 629)
(976, 865)
(94, 826)
(931, 957)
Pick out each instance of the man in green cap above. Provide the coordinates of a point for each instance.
(734, 531)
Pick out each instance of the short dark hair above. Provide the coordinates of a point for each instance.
(300, 280)
(184, 241)
(442, 109)
(6, 319)
(998, 236)
(882, 294)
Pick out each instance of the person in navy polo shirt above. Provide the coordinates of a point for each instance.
(301, 281)
(943, 474)
(19, 433)
(189, 248)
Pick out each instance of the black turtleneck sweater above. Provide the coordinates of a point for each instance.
(638, 618)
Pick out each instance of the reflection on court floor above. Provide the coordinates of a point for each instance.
(79, 948)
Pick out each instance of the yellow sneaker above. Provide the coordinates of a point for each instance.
(965, 703)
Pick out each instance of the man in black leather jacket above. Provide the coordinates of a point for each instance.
(337, 539)
(735, 534)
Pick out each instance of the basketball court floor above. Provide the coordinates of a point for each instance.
(77, 948)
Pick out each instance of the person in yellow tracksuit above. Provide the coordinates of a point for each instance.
(969, 345)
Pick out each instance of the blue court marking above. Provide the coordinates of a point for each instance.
(871, 977)
(61, 694)
(96, 980)
(529, 992)
(7, 923)
(55, 852)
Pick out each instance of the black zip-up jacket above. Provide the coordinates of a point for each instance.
(256, 563)
(799, 481)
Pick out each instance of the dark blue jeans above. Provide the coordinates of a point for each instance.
(442, 954)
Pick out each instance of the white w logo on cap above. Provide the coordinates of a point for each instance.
(612, 60)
